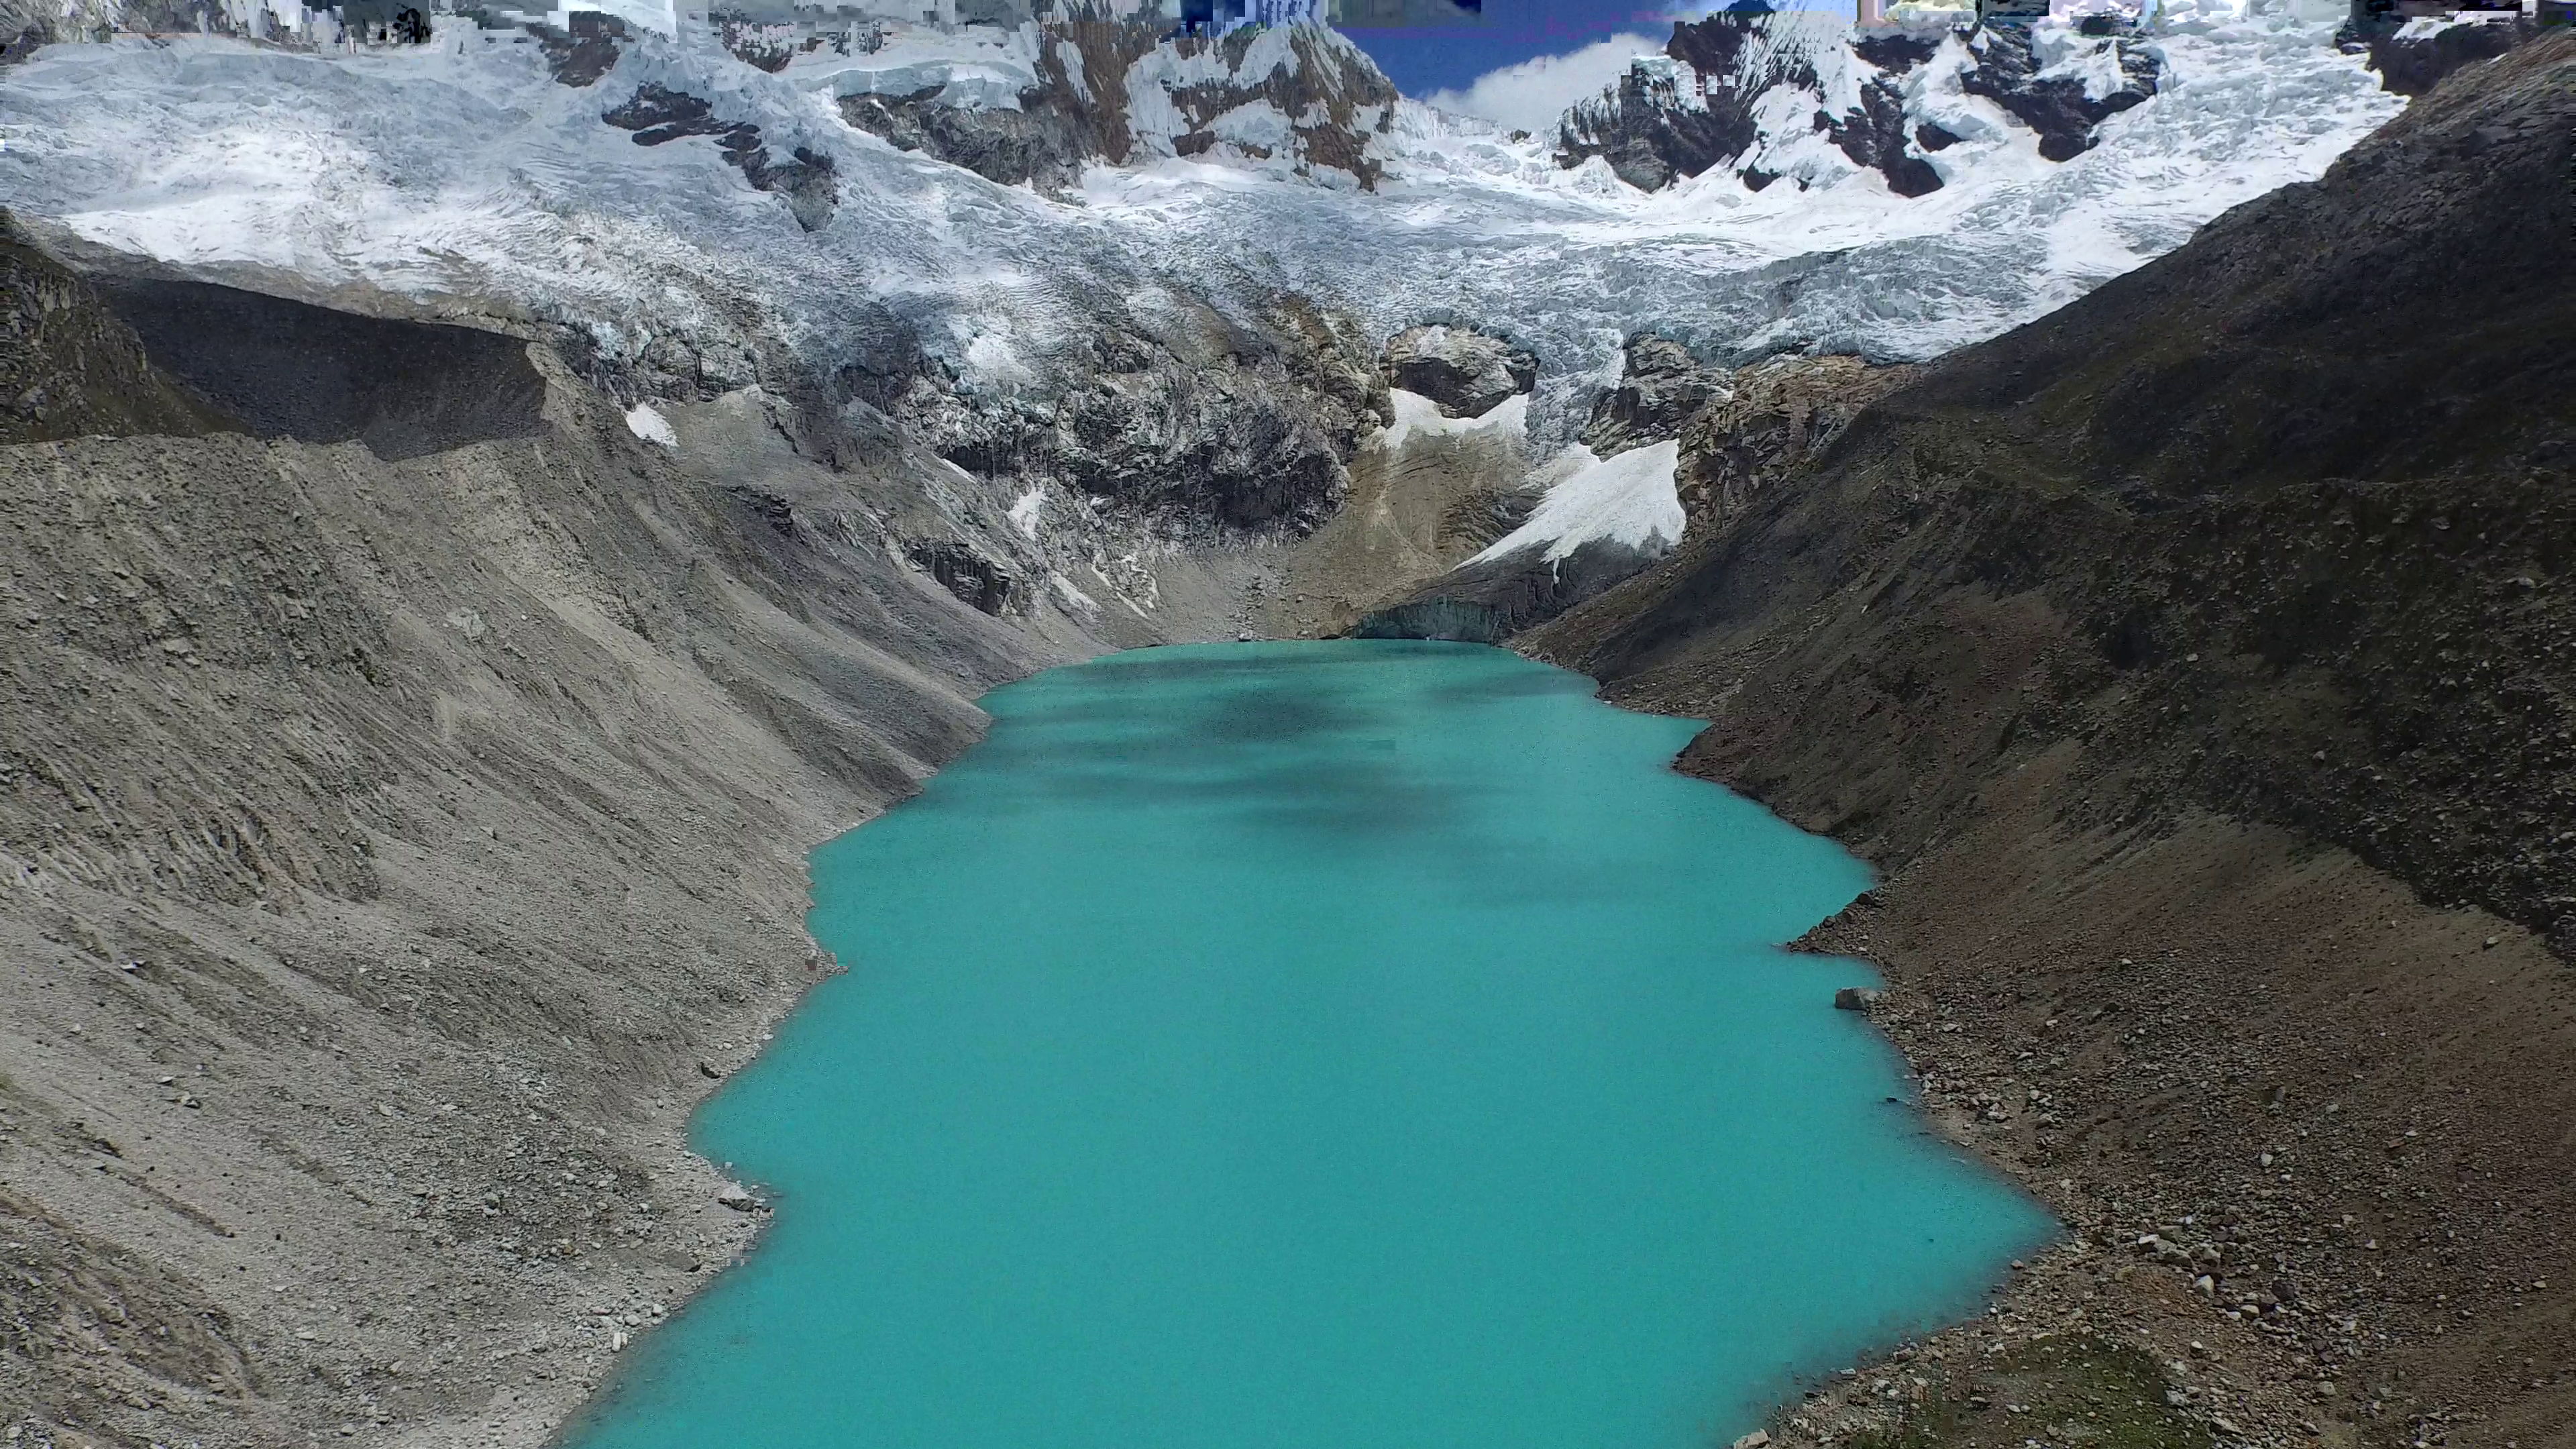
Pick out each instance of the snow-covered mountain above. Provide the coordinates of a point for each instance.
(1802, 96)
(969, 226)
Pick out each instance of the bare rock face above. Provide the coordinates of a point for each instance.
(1489, 601)
(1466, 372)
(1740, 433)
(1742, 92)
(1661, 387)
(1333, 100)
(2062, 110)
(2413, 65)
(1043, 145)
(1769, 418)
(1239, 427)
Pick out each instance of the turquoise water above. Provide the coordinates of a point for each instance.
(1363, 1045)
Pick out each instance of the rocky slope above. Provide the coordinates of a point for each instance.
(2195, 663)
(405, 780)
(70, 366)
(1128, 90)
(1676, 445)
(2413, 56)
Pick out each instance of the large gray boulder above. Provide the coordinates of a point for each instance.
(1466, 372)
(1661, 388)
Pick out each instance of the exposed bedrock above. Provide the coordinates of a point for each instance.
(1489, 600)
(1425, 494)
(1717, 97)
(70, 365)
(1661, 388)
(1467, 372)
(2199, 664)
(1039, 144)
(805, 178)
(1737, 432)
(1769, 419)
(2010, 72)
(1245, 425)
(2410, 65)
(1302, 96)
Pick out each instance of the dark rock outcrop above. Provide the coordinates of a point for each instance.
(1465, 372)
(1699, 105)
(1333, 97)
(1877, 137)
(1738, 434)
(1661, 387)
(1038, 144)
(2410, 67)
(583, 52)
(2059, 110)
(807, 181)
(1490, 600)
(1648, 134)
(1770, 418)
(979, 582)
(1239, 426)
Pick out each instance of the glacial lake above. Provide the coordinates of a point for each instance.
(1364, 1045)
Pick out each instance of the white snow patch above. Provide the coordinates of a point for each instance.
(1629, 500)
(1025, 510)
(646, 421)
(435, 175)
(1074, 597)
(2425, 27)
(1416, 414)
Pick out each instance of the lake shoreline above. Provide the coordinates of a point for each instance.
(2092, 1287)
(2192, 1282)
(1890, 1193)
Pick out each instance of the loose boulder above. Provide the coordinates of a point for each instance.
(1661, 388)
(1465, 372)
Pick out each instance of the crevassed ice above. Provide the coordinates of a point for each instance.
(459, 172)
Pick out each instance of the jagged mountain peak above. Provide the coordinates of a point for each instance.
(1806, 97)
(706, 207)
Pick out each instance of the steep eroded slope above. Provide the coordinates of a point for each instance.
(2198, 661)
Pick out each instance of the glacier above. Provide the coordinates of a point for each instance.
(459, 178)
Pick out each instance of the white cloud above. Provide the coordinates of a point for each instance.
(1532, 94)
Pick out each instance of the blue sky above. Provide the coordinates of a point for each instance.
(1423, 59)
(1523, 61)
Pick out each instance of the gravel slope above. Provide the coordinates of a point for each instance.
(398, 836)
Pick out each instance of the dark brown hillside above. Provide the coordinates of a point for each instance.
(2200, 664)
(70, 368)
